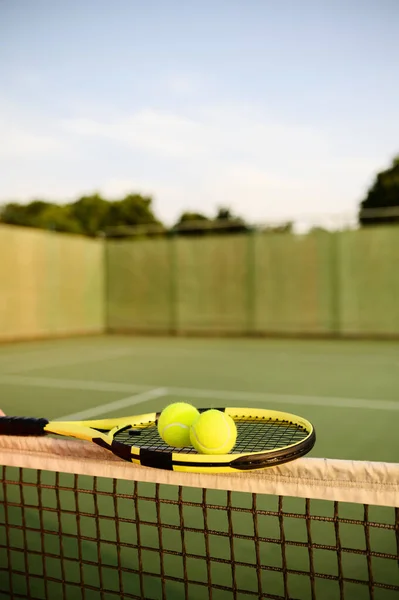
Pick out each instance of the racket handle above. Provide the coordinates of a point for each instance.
(22, 426)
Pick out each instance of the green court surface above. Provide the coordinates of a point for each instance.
(348, 390)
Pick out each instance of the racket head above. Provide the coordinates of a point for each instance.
(264, 438)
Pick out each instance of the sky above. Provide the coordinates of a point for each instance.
(273, 109)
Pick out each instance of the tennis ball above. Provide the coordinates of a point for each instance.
(174, 424)
(213, 432)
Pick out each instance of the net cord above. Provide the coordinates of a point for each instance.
(364, 482)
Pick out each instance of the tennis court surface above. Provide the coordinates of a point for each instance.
(78, 523)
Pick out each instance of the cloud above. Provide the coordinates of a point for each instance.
(222, 155)
(182, 84)
(17, 142)
(152, 131)
(215, 131)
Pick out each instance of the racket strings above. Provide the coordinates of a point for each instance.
(255, 435)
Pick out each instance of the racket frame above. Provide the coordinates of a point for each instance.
(102, 432)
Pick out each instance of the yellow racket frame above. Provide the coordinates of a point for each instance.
(103, 431)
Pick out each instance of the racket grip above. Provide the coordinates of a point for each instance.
(22, 426)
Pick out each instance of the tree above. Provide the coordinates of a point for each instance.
(192, 217)
(89, 215)
(14, 214)
(133, 210)
(228, 223)
(192, 223)
(23, 215)
(57, 217)
(41, 215)
(381, 204)
(90, 212)
(282, 228)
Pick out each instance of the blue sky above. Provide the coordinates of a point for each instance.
(276, 109)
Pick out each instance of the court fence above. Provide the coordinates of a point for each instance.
(329, 283)
(322, 283)
(50, 284)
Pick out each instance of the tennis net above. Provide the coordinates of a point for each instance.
(76, 522)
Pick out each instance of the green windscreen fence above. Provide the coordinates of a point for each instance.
(140, 285)
(321, 283)
(178, 285)
(294, 283)
(211, 285)
(50, 284)
(241, 284)
(339, 283)
(369, 281)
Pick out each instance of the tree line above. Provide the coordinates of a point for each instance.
(93, 215)
(89, 215)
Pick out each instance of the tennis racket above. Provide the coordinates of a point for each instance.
(265, 438)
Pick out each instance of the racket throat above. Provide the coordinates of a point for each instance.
(121, 450)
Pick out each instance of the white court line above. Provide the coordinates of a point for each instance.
(225, 395)
(73, 384)
(286, 398)
(64, 362)
(117, 405)
(48, 358)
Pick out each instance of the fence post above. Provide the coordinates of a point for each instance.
(173, 288)
(335, 284)
(251, 282)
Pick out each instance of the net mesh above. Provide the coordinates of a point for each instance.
(304, 530)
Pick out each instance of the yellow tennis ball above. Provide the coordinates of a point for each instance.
(174, 424)
(213, 432)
